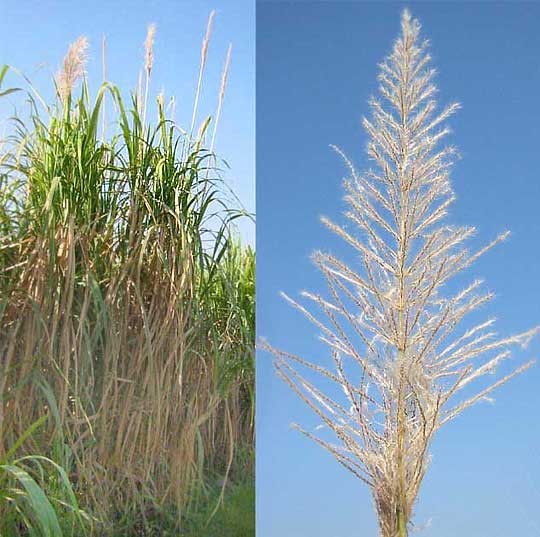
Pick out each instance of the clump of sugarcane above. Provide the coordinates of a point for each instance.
(126, 299)
(398, 353)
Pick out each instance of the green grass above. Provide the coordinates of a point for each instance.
(236, 518)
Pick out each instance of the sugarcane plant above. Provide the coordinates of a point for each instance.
(400, 358)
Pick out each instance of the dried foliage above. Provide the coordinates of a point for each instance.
(400, 357)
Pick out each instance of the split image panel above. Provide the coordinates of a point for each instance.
(354, 354)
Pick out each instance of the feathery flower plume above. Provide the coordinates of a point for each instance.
(224, 77)
(398, 354)
(172, 108)
(73, 67)
(148, 48)
(149, 60)
(206, 40)
(204, 54)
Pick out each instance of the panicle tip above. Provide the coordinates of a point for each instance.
(208, 33)
(406, 15)
(409, 26)
(284, 295)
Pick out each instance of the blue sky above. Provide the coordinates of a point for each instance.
(35, 37)
(316, 68)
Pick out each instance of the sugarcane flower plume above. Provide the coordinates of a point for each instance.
(149, 48)
(73, 67)
(400, 357)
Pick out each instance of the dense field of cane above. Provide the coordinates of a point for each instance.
(126, 317)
